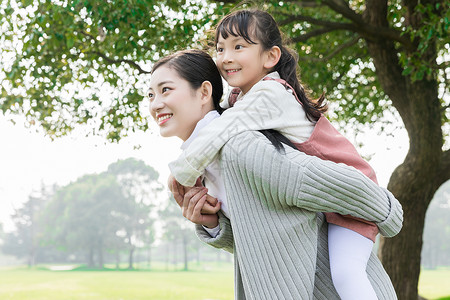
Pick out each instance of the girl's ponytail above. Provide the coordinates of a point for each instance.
(287, 68)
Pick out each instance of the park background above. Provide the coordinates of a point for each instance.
(84, 210)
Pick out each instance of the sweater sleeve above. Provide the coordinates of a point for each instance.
(267, 106)
(224, 240)
(296, 179)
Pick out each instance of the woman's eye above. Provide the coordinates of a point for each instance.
(165, 89)
(150, 96)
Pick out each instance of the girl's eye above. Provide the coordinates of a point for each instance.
(237, 47)
(219, 50)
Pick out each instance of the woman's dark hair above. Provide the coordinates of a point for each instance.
(195, 66)
(257, 26)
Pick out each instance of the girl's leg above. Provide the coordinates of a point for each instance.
(349, 252)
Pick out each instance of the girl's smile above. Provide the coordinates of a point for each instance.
(242, 64)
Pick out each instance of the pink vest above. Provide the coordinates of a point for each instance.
(327, 143)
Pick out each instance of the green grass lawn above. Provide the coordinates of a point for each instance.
(215, 283)
(41, 284)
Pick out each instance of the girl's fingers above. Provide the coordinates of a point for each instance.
(191, 198)
(208, 208)
(198, 183)
(211, 200)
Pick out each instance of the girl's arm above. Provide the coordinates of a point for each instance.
(296, 179)
(267, 106)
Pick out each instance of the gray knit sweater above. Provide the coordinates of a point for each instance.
(278, 239)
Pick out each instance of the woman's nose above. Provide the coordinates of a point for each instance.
(156, 104)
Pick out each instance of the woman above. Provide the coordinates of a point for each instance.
(278, 239)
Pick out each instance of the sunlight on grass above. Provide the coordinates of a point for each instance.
(435, 284)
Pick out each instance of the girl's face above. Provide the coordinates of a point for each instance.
(241, 64)
(174, 105)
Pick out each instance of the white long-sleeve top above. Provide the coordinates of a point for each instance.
(268, 105)
(212, 178)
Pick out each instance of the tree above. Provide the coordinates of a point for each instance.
(177, 230)
(79, 218)
(26, 240)
(370, 57)
(140, 187)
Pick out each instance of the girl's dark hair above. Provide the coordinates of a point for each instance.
(277, 139)
(257, 26)
(195, 66)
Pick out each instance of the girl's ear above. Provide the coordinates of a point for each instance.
(273, 57)
(206, 92)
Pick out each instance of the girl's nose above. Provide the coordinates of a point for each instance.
(227, 57)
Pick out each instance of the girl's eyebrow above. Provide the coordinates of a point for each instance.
(234, 39)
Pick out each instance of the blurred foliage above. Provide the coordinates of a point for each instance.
(96, 217)
(86, 62)
(436, 236)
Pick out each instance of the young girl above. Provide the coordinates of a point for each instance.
(251, 57)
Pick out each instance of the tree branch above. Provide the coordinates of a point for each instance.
(337, 50)
(344, 10)
(329, 24)
(119, 61)
(311, 4)
(443, 65)
(358, 25)
(304, 37)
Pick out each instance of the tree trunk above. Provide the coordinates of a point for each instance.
(185, 252)
(91, 257)
(100, 253)
(130, 258)
(117, 259)
(416, 180)
(149, 257)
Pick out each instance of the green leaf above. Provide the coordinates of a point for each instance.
(70, 42)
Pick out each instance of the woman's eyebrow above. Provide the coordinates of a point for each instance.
(162, 83)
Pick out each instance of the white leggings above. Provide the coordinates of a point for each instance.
(349, 253)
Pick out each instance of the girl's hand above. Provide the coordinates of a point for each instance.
(211, 206)
(193, 202)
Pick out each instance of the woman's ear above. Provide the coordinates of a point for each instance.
(273, 57)
(206, 92)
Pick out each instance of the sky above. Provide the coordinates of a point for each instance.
(29, 159)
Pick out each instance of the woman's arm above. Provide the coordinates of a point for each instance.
(296, 179)
(224, 240)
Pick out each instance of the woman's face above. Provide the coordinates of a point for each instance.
(174, 105)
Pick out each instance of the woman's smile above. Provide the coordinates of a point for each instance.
(163, 118)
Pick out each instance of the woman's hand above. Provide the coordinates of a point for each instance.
(211, 206)
(193, 202)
